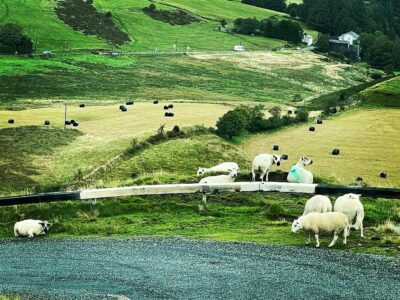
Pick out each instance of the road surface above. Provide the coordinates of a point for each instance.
(111, 268)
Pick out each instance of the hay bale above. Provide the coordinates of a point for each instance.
(289, 112)
(285, 157)
(358, 179)
(169, 114)
(275, 147)
(155, 102)
(67, 122)
(166, 107)
(335, 151)
(311, 128)
(129, 102)
(72, 121)
(383, 174)
(75, 124)
(319, 121)
(123, 108)
(170, 106)
(46, 122)
(82, 105)
(10, 121)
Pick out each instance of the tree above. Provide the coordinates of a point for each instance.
(25, 45)
(246, 26)
(302, 115)
(322, 43)
(13, 40)
(380, 54)
(230, 124)
(152, 7)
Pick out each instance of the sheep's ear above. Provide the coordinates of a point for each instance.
(230, 170)
(49, 224)
(359, 195)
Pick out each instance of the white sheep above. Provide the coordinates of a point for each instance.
(319, 204)
(220, 178)
(225, 167)
(262, 163)
(323, 222)
(31, 228)
(352, 207)
(298, 173)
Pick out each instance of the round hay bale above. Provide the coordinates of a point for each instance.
(285, 157)
(46, 122)
(82, 105)
(319, 121)
(383, 174)
(67, 122)
(75, 124)
(289, 112)
(166, 107)
(311, 128)
(72, 121)
(275, 147)
(358, 179)
(10, 121)
(335, 151)
(123, 108)
(129, 102)
(171, 106)
(155, 102)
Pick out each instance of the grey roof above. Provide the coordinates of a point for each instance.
(351, 33)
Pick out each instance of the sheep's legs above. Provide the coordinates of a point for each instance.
(345, 235)
(317, 239)
(335, 237)
(262, 176)
(362, 230)
(30, 234)
(253, 173)
(309, 239)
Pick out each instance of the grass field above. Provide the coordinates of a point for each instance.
(368, 141)
(51, 157)
(386, 94)
(273, 77)
(48, 32)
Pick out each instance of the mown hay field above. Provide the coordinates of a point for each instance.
(368, 140)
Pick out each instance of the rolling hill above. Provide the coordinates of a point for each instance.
(145, 33)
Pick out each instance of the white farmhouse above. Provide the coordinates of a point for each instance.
(349, 37)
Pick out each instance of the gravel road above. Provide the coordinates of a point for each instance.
(183, 269)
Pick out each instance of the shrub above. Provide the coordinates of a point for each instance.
(302, 115)
(275, 211)
(13, 40)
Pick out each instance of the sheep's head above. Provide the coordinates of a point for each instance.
(200, 171)
(45, 225)
(353, 196)
(233, 172)
(296, 226)
(305, 161)
(277, 159)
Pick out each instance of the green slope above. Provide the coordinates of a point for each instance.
(41, 23)
(386, 94)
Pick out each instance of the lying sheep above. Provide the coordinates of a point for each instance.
(220, 178)
(298, 173)
(352, 207)
(262, 163)
(318, 203)
(31, 228)
(225, 167)
(323, 222)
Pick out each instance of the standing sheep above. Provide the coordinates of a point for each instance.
(323, 222)
(225, 167)
(220, 178)
(298, 173)
(352, 207)
(262, 163)
(31, 228)
(318, 203)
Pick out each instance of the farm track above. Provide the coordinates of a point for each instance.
(183, 269)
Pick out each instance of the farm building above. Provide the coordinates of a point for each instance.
(345, 44)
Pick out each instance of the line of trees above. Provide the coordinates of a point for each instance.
(272, 27)
(278, 5)
(245, 119)
(13, 40)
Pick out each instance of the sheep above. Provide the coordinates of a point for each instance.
(225, 167)
(298, 173)
(31, 228)
(352, 207)
(323, 222)
(226, 178)
(318, 203)
(263, 162)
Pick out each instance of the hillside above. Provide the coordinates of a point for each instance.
(386, 94)
(145, 33)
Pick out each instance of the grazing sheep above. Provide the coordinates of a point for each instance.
(298, 173)
(352, 207)
(318, 203)
(323, 222)
(225, 167)
(31, 228)
(220, 178)
(263, 162)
